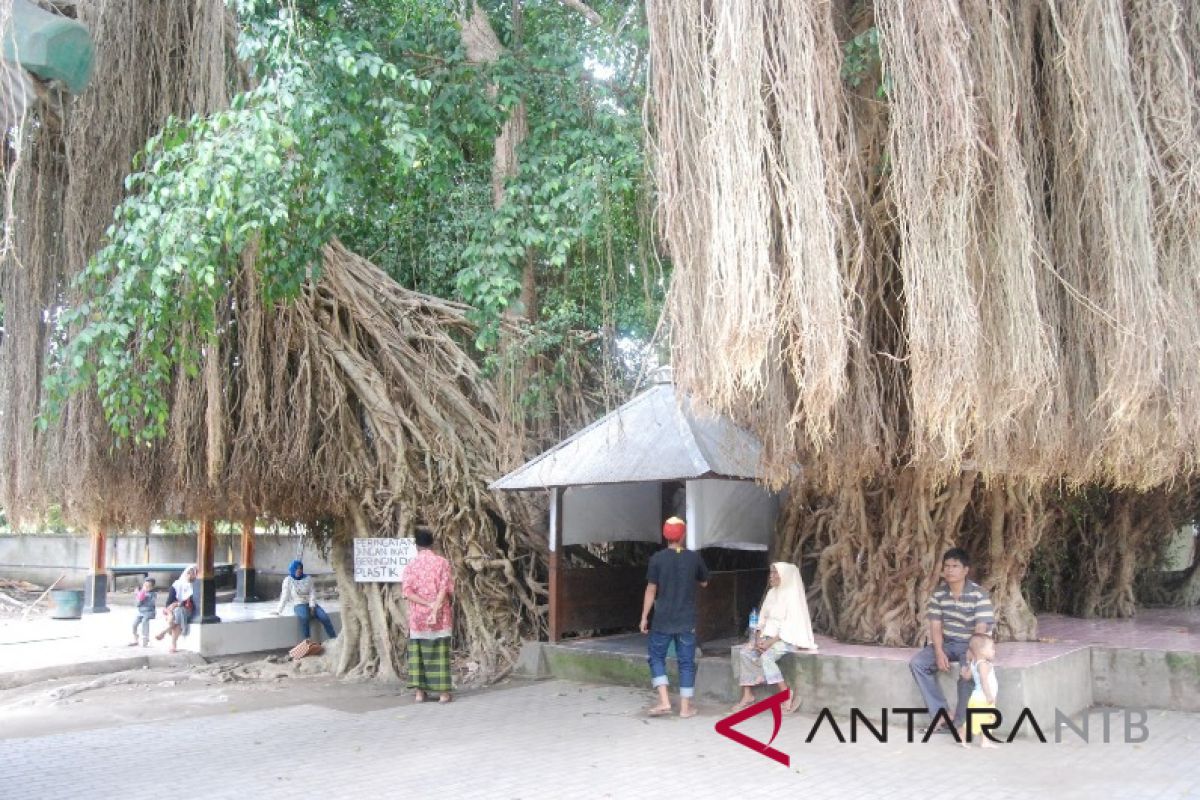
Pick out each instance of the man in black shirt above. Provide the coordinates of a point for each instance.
(671, 581)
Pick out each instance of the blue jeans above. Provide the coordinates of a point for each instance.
(143, 619)
(685, 654)
(306, 625)
(925, 671)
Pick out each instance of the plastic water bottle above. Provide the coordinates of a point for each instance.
(753, 628)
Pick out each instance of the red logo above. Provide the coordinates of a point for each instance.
(775, 703)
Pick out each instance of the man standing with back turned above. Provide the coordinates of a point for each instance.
(671, 581)
(957, 609)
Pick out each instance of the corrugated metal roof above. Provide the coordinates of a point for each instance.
(650, 438)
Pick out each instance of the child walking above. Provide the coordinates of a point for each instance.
(981, 655)
(146, 598)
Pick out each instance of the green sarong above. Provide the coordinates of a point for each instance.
(429, 664)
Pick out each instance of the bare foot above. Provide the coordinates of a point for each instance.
(659, 711)
(418, 696)
(172, 650)
(445, 697)
(985, 742)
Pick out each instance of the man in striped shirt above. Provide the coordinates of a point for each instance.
(958, 608)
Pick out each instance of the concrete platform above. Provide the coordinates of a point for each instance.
(99, 643)
(252, 628)
(1152, 661)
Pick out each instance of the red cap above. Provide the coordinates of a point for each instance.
(674, 529)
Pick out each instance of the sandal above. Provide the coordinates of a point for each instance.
(658, 712)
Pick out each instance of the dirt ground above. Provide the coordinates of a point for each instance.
(149, 695)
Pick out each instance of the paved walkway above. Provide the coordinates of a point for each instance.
(556, 739)
(43, 648)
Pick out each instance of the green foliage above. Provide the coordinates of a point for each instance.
(272, 172)
(368, 122)
(862, 62)
(575, 206)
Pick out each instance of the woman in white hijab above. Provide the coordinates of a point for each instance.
(783, 627)
(179, 607)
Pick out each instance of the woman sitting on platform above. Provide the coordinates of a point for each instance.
(784, 627)
(299, 591)
(179, 608)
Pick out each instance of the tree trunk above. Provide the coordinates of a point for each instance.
(483, 47)
(878, 549)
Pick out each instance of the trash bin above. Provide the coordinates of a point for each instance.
(68, 604)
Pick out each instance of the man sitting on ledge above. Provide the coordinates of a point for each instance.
(957, 609)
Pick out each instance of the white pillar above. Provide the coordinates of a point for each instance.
(693, 532)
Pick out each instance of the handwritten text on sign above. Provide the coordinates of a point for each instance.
(382, 560)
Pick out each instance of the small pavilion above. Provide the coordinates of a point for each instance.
(618, 479)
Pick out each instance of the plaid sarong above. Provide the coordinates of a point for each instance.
(429, 664)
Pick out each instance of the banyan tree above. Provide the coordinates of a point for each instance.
(185, 336)
(945, 256)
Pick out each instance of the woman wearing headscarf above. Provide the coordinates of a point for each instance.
(298, 591)
(784, 627)
(179, 608)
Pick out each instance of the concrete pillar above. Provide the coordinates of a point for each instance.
(556, 522)
(245, 572)
(95, 587)
(206, 578)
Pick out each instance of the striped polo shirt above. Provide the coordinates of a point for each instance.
(959, 615)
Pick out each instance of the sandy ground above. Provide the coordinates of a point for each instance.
(156, 694)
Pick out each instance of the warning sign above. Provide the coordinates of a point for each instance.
(382, 560)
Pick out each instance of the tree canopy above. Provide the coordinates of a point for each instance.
(371, 123)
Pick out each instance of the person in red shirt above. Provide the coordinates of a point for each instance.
(428, 587)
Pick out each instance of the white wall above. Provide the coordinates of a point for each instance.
(41, 559)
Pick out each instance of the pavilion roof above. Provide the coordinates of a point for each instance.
(656, 436)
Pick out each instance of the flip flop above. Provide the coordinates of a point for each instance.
(793, 705)
(657, 712)
(688, 715)
(739, 707)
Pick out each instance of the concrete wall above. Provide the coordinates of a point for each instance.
(253, 635)
(869, 684)
(1063, 683)
(714, 676)
(1146, 678)
(41, 559)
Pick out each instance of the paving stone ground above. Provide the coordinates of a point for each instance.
(554, 739)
